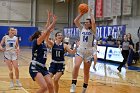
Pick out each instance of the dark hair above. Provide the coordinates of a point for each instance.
(35, 35)
(130, 36)
(89, 22)
(57, 33)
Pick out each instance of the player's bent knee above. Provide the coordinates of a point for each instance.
(11, 72)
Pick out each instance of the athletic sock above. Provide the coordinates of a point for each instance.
(74, 82)
(85, 85)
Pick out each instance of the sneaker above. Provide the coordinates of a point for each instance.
(11, 84)
(18, 83)
(72, 89)
(126, 65)
(119, 69)
(94, 68)
(84, 90)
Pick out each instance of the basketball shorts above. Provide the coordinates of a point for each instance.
(35, 68)
(10, 55)
(85, 53)
(56, 67)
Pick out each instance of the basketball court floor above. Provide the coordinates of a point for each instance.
(105, 80)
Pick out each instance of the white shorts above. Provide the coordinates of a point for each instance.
(10, 55)
(85, 53)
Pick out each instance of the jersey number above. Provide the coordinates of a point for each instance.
(85, 38)
(57, 53)
(11, 44)
(45, 54)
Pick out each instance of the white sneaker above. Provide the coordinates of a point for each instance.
(84, 90)
(18, 83)
(72, 89)
(11, 84)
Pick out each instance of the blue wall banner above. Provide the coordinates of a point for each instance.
(102, 31)
(116, 31)
(72, 32)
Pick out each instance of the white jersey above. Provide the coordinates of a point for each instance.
(10, 43)
(86, 38)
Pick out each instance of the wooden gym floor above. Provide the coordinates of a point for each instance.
(105, 80)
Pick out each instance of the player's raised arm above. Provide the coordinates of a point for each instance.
(93, 24)
(46, 31)
(77, 21)
(50, 43)
(48, 19)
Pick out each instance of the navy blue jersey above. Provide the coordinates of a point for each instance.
(58, 52)
(39, 52)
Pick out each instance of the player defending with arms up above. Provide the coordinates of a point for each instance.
(84, 51)
(37, 69)
(57, 66)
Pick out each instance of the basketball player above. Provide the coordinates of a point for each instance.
(10, 55)
(84, 51)
(57, 65)
(37, 69)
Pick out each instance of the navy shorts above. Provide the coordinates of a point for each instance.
(56, 67)
(34, 69)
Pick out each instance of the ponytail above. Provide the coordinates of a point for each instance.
(35, 35)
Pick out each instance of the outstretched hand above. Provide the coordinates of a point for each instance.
(54, 18)
(90, 10)
(49, 13)
(52, 30)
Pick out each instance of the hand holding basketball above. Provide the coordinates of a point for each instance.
(83, 8)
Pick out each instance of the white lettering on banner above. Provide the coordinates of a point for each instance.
(104, 32)
(109, 30)
(101, 31)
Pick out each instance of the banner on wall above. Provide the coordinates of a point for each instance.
(91, 4)
(107, 8)
(99, 8)
(116, 31)
(116, 7)
(101, 31)
(127, 7)
(72, 32)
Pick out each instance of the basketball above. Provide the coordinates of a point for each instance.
(83, 8)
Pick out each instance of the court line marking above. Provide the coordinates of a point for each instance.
(20, 87)
(24, 90)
